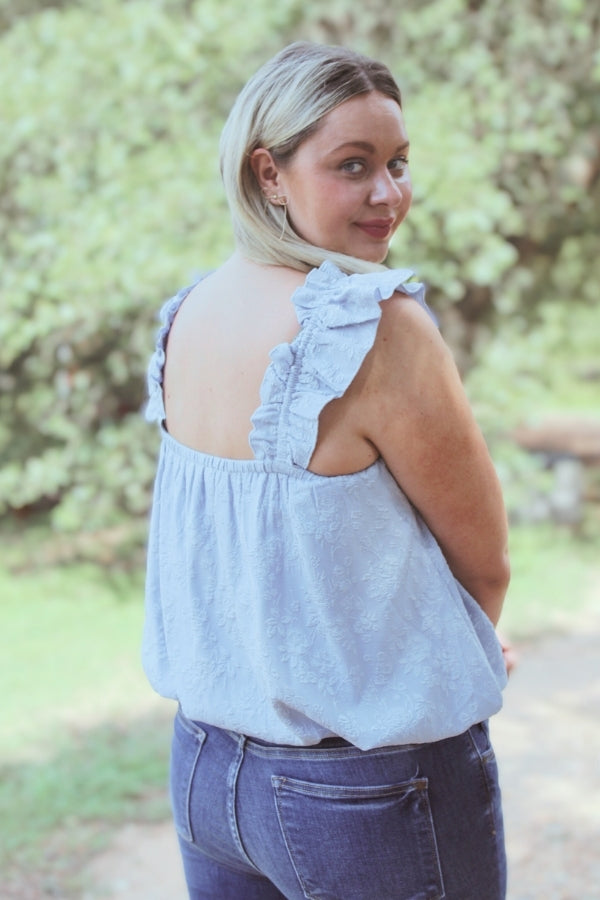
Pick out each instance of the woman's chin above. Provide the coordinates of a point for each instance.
(375, 255)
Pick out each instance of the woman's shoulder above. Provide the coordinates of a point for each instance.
(407, 322)
(346, 293)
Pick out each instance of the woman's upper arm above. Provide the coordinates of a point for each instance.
(418, 417)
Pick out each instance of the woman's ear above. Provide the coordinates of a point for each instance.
(266, 171)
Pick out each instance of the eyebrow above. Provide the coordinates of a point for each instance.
(365, 145)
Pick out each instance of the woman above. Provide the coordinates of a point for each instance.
(314, 551)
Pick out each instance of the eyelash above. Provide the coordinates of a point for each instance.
(403, 160)
(353, 162)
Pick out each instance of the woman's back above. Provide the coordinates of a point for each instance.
(278, 596)
(217, 355)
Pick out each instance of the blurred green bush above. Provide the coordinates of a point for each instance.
(110, 197)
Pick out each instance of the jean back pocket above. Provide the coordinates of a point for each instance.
(348, 843)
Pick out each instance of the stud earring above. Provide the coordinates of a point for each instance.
(278, 199)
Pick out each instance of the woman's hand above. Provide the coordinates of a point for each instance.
(508, 651)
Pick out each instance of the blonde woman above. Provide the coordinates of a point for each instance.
(327, 553)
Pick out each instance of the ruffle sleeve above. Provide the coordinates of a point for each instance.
(155, 406)
(339, 315)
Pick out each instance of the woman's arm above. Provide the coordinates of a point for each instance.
(416, 413)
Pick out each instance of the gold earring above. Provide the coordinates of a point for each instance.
(278, 199)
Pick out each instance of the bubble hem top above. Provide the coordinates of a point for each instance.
(291, 606)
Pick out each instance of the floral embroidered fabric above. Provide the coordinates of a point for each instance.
(292, 606)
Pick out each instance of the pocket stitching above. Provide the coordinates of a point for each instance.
(337, 792)
(347, 792)
(199, 736)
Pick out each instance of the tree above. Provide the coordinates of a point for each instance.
(503, 104)
(110, 196)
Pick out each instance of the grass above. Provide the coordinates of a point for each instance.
(107, 774)
(83, 740)
(553, 575)
(70, 652)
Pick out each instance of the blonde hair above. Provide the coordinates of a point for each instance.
(279, 108)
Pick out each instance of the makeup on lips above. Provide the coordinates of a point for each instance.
(377, 228)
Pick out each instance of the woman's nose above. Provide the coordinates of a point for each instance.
(389, 190)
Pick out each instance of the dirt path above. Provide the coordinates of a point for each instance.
(142, 864)
(547, 742)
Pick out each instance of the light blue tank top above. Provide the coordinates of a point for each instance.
(291, 606)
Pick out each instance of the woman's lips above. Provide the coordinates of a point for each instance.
(377, 228)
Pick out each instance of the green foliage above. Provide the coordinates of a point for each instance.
(526, 372)
(502, 103)
(110, 196)
(554, 581)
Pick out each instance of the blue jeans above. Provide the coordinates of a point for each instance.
(258, 821)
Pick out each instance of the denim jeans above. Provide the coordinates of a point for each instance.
(258, 821)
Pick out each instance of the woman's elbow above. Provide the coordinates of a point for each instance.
(492, 588)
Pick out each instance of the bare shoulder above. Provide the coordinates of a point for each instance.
(417, 414)
(406, 323)
(409, 351)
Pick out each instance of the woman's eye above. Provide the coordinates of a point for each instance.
(353, 166)
(398, 165)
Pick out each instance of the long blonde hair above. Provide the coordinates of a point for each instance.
(281, 106)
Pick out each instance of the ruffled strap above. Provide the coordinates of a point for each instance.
(339, 315)
(155, 407)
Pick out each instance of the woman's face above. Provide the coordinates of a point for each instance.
(348, 186)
